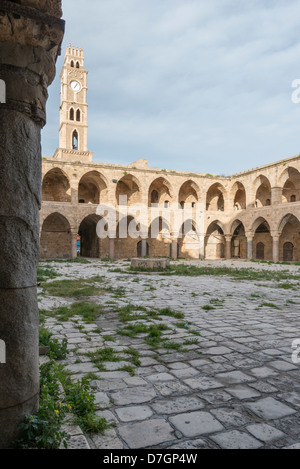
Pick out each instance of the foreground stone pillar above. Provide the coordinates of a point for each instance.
(30, 38)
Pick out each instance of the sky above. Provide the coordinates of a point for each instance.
(190, 85)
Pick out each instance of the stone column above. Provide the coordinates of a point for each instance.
(276, 195)
(74, 244)
(174, 248)
(111, 248)
(249, 246)
(30, 39)
(276, 248)
(228, 239)
(144, 247)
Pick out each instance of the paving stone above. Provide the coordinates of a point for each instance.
(102, 400)
(148, 433)
(269, 408)
(129, 414)
(282, 366)
(236, 440)
(194, 424)
(262, 372)
(134, 395)
(178, 366)
(177, 405)
(203, 383)
(135, 381)
(217, 351)
(185, 373)
(160, 377)
(242, 392)
(265, 432)
(231, 416)
(82, 368)
(216, 397)
(109, 440)
(234, 377)
(170, 388)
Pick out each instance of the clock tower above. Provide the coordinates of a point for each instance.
(73, 109)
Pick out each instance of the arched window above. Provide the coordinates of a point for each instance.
(293, 198)
(71, 114)
(75, 140)
(77, 65)
(72, 63)
(78, 115)
(268, 201)
(166, 204)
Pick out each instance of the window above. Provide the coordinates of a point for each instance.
(77, 65)
(71, 114)
(293, 198)
(72, 63)
(166, 204)
(75, 140)
(78, 115)
(268, 202)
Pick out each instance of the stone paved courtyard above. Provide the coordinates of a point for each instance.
(233, 386)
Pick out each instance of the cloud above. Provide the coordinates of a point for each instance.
(191, 85)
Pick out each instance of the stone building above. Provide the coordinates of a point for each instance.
(251, 215)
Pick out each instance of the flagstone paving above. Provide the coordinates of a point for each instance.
(236, 386)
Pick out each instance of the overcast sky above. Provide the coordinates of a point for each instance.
(192, 85)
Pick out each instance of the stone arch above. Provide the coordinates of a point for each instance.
(56, 186)
(126, 243)
(215, 197)
(130, 187)
(56, 237)
(215, 241)
(238, 240)
(90, 243)
(262, 240)
(159, 238)
(238, 196)
(162, 190)
(290, 182)
(189, 193)
(289, 229)
(92, 188)
(189, 241)
(262, 191)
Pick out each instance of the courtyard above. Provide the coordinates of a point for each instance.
(199, 356)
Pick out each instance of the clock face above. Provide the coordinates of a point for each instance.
(75, 86)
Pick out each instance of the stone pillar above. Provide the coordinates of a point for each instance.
(249, 246)
(275, 248)
(276, 195)
(30, 39)
(111, 248)
(174, 248)
(144, 247)
(228, 239)
(74, 244)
